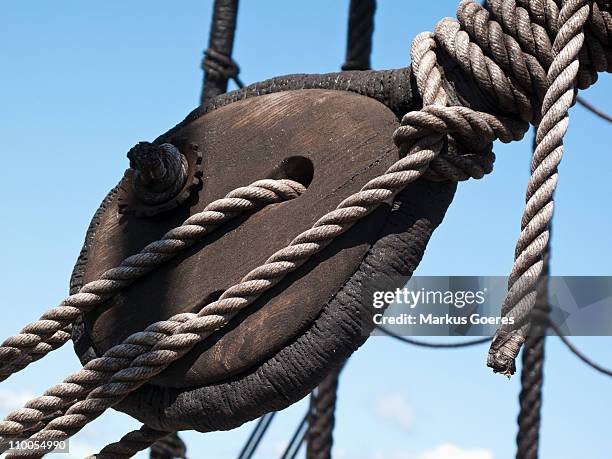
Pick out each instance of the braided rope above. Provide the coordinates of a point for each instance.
(52, 329)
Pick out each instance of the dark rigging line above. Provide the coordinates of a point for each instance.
(298, 438)
(360, 31)
(590, 107)
(415, 342)
(595, 366)
(553, 326)
(322, 418)
(299, 445)
(256, 436)
(532, 372)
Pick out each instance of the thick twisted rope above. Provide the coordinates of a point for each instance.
(530, 398)
(169, 447)
(322, 418)
(360, 31)
(218, 64)
(532, 372)
(134, 442)
(52, 329)
(164, 445)
(537, 216)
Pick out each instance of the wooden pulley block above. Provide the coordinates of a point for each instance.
(274, 352)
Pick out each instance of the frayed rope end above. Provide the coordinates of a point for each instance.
(504, 350)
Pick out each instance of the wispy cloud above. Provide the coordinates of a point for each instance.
(444, 451)
(395, 409)
(450, 451)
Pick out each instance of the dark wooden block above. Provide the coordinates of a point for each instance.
(340, 139)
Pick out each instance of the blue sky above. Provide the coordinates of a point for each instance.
(82, 82)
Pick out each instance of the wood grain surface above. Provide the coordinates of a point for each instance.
(341, 139)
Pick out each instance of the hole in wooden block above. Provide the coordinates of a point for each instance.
(298, 168)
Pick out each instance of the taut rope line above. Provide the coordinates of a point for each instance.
(51, 330)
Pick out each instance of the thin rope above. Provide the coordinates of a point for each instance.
(297, 439)
(593, 109)
(52, 330)
(574, 350)
(433, 345)
(252, 443)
